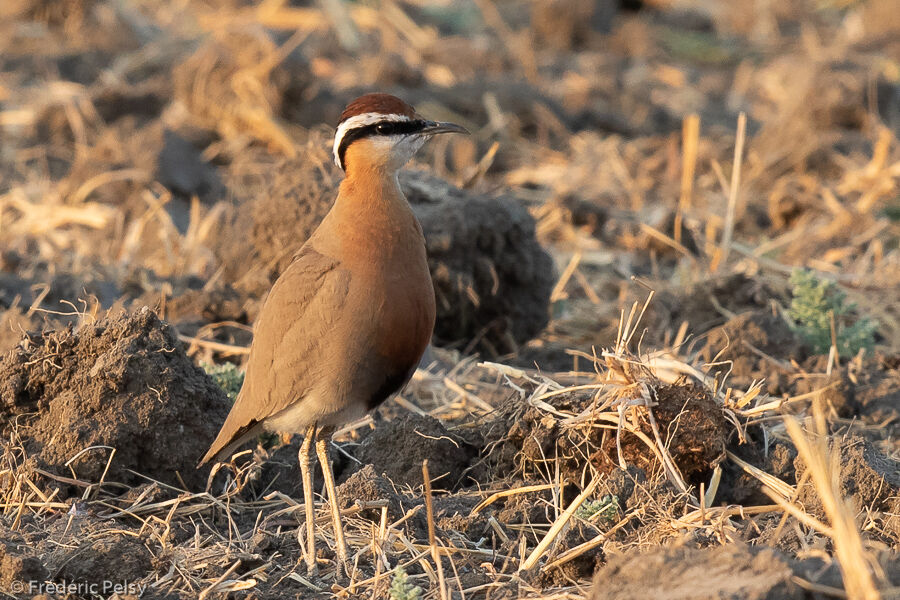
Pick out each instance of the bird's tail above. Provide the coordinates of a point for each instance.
(232, 435)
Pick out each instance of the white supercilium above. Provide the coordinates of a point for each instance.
(360, 121)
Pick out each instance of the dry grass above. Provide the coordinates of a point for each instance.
(226, 523)
(855, 562)
(807, 175)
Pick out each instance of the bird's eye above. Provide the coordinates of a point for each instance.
(384, 128)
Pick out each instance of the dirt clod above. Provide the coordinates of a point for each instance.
(366, 485)
(690, 424)
(123, 383)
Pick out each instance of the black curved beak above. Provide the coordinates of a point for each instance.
(433, 127)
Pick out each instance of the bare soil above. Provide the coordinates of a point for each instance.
(672, 573)
(397, 449)
(122, 388)
(161, 161)
(867, 478)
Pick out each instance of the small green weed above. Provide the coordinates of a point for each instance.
(607, 506)
(402, 589)
(814, 300)
(227, 376)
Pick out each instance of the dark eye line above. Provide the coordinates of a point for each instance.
(397, 127)
(379, 128)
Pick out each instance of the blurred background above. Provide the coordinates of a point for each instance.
(174, 153)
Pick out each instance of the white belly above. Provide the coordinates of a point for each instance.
(297, 417)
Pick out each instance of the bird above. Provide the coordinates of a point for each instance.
(345, 325)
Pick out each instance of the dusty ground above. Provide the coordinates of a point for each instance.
(629, 395)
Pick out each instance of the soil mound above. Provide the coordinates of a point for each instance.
(690, 423)
(491, 276)
(123, 383)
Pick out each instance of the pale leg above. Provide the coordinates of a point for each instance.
(322, 452)
(306, 475)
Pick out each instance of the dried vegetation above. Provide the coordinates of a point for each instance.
(672, 432)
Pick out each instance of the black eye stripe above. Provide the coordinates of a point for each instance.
(379, 128)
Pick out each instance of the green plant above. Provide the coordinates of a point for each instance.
(607, 506)
(227, 376)
(402, 589)
(814, 302)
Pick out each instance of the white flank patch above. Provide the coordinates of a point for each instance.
(360, 121)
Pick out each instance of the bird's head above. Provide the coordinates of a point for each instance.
(383, 131)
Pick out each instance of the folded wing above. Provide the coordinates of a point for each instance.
(286, 360)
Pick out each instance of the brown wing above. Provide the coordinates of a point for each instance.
(287, 349)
